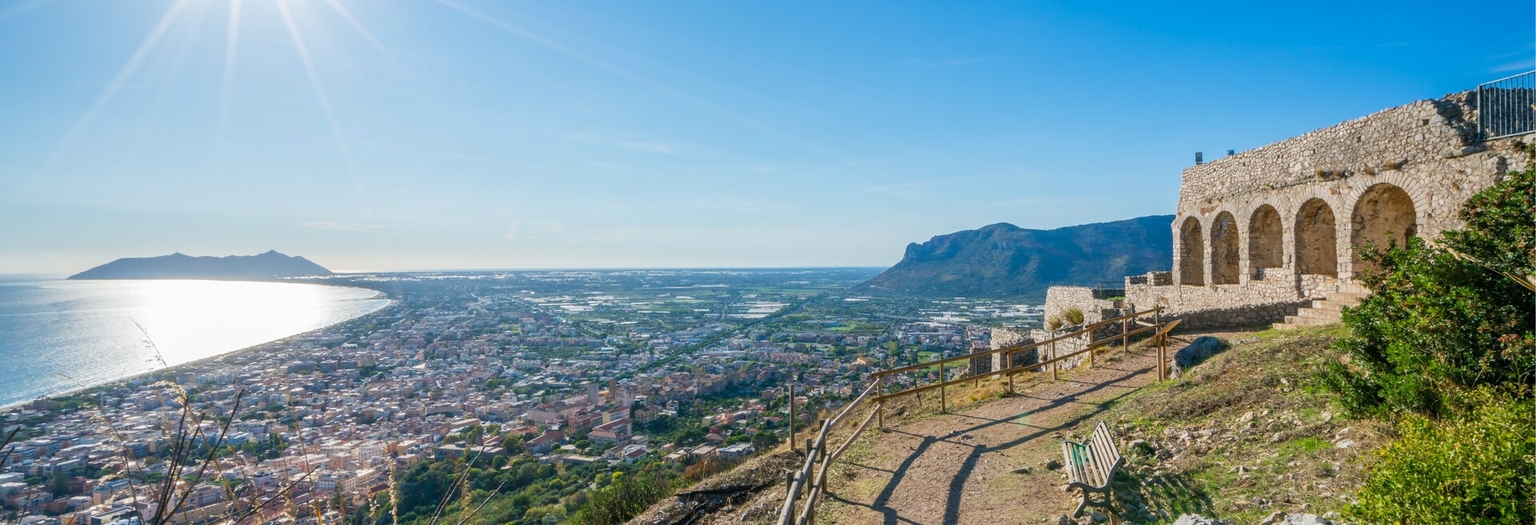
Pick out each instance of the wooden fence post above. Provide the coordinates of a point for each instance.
(943, 401)
(1053, 356)
(880, 405)
(791, 417)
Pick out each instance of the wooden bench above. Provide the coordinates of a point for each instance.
(1091, 466)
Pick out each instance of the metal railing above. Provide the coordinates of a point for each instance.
(1506, 106)
(809, 482)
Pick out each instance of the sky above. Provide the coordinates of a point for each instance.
(464, 134)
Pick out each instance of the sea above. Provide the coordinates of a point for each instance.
(57, 335)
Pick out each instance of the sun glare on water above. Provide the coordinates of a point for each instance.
(184, 319)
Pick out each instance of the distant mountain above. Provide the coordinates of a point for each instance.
(1003, 260)
(268, 265)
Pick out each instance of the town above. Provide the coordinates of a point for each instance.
(535, 382)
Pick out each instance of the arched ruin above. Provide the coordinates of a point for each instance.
(1266, 245)
(1383, 217)
(1191, 253)
(1316, 239)
(1226, 259)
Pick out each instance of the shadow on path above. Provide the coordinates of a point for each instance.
(882, 500)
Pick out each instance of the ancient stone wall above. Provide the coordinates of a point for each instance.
(1059, 299)
(1260, 233)
(1403, 171)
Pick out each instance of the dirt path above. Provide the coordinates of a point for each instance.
(966, 467)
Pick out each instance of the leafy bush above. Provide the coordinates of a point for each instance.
(1474, 470)
(626, 497)
(1445, 320)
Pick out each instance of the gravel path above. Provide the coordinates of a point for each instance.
(969, 467)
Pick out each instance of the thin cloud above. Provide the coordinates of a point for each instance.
(1511, 67)
(658, 148)
(910, 189)
(22, 7)
(337, 226)
(743, 205)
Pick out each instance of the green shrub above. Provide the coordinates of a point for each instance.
(1477, 469)
(626, 497)
(1443, 321)
(1073, 316)
(1053, 323)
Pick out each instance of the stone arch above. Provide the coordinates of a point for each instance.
(1225, 257)
(1383, 216)
(1317, 251)
(1191, 253)
(1266, 240)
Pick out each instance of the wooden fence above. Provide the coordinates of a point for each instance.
(807, 485)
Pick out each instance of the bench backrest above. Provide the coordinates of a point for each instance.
(1106, 456)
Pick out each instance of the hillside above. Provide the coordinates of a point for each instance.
(1238, 437)
(1003, 260)
(268, 265)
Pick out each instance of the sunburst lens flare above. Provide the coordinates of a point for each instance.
(324, 100)
(231, 49)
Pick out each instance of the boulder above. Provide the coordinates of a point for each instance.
(1198, 351)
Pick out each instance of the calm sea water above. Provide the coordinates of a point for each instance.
(57, 336)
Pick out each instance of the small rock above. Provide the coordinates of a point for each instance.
(1278, 437)
(1060, 520)
(1275, 518)
(1345, 443)
(1022, 470)
(1248, 416)
(1305, 519)
(1341, 433)
(1196, 519)
(1327, 417)
(1097, 518)
(1052, 465)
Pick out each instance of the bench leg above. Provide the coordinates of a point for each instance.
(1087, 500)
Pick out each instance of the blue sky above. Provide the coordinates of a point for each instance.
(422, 134)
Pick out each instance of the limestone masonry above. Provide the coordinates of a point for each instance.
(1262, 233)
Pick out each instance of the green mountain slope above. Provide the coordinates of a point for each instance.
(1003, 260)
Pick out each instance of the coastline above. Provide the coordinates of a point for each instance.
(390, 303)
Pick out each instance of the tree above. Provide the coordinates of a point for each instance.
(59, 484)
(764, 440)
(513, 444)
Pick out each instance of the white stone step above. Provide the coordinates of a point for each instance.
(1308, 321)
(1318, 313)
(1324, 304)
(1346, 298)
(1355, 288)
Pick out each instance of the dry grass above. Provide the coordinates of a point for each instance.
(1243, 435)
